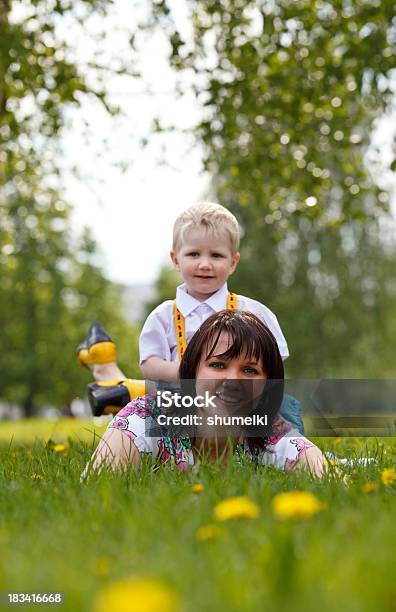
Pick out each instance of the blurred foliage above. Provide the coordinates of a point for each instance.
(289, 93)
(51, 285)
(165, 288)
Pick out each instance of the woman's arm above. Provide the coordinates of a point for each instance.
(116, 451)
(311, 460)
(292, 451)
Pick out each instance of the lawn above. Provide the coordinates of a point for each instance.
(57, 535)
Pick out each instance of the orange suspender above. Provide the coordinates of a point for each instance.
(232, 301)
(180, 326)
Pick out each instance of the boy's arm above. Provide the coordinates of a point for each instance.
(155, 368)
(155, 352)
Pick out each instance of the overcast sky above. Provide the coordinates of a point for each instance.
(131, 213)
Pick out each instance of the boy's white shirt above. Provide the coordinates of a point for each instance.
(158, 336)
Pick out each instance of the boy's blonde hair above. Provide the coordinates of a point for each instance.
(213, 217)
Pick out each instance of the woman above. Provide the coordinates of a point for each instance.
(235, 358)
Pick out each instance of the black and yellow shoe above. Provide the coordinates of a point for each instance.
(108, 397)
(97, 348)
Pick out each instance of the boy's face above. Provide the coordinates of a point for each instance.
(205, 261)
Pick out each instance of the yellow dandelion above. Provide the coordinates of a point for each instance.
(137, 595)
(235, 508)
(388, 476)
(59, 448)
(296, 504)
(197, 488)
(369, 487)
(37, 477)
(207, 532)
(337, 440)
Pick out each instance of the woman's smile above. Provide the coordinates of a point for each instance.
(228, 398)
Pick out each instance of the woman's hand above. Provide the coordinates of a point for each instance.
(312, 460)
(115, 450)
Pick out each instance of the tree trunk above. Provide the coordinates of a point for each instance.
(29, 407)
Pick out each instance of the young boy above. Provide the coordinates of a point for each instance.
(205, 252)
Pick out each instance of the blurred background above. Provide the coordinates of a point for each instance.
(116, 115)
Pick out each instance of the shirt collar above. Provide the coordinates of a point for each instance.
(187, 304)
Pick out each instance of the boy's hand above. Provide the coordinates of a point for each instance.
(155, 368)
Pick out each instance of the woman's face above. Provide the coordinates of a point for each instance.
(237, 384)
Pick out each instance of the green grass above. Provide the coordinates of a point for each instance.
(27, 431)
(59, 535)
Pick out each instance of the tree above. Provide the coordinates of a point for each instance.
(49, 292)
(165, 288)
(289, 93)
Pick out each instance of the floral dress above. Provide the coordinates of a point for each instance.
(283, 449)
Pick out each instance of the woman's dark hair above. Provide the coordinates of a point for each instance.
(249, 336)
